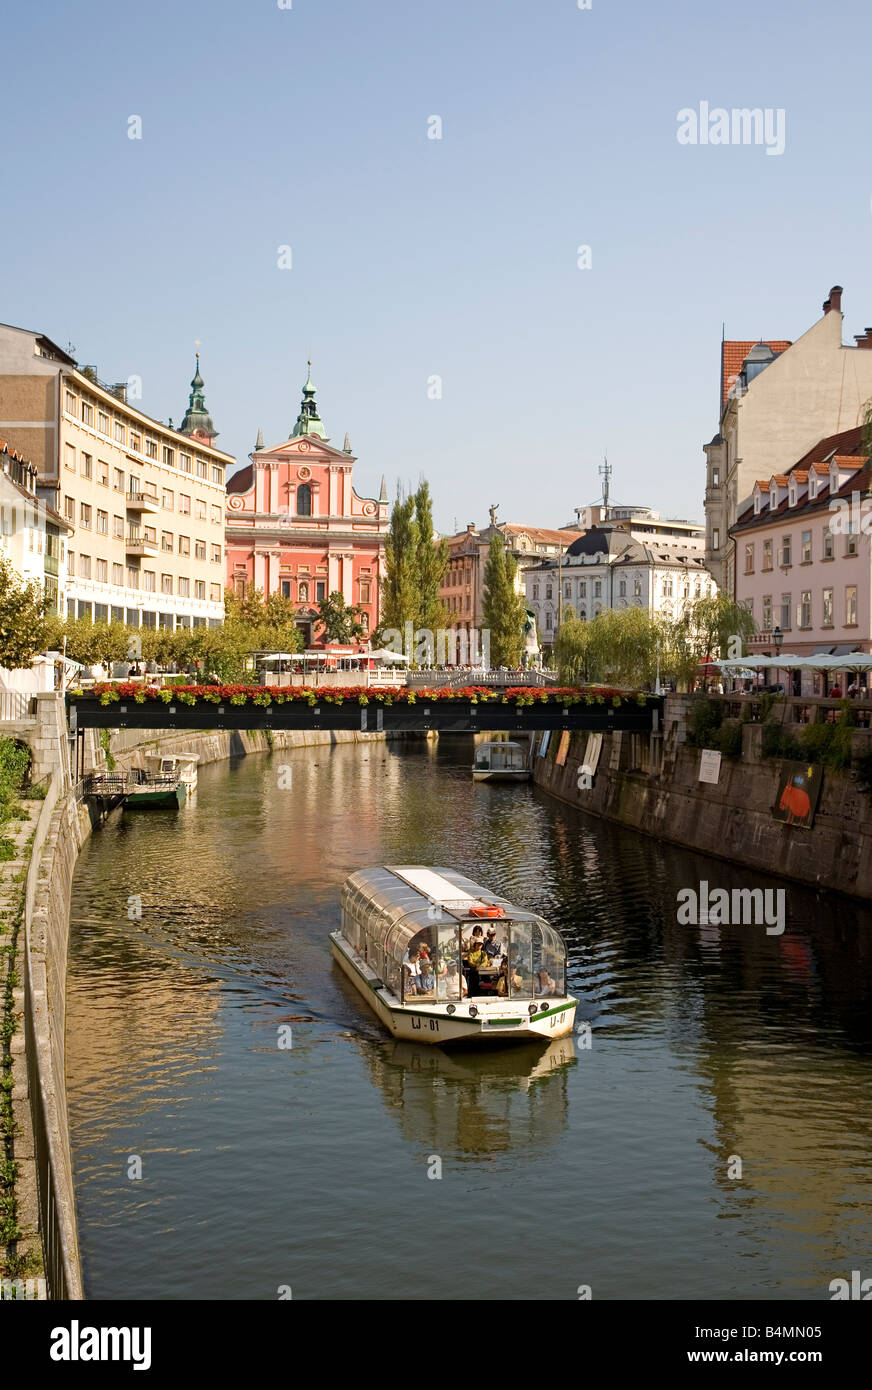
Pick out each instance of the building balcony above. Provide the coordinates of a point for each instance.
(137, 545)
(139, 502)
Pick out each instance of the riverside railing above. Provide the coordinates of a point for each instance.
(797, 709)
(17, 707)
(57, 1221)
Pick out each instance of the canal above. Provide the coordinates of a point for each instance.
(712, 1141)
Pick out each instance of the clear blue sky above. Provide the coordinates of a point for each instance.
(413, 257)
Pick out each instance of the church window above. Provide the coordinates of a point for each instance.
(304, 500)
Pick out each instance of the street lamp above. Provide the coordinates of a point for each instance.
(777, 638)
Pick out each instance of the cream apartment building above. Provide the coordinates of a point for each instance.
(776, 400)
(145, 501)
(32, 536)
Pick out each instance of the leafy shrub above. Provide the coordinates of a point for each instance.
(863, 764)
(704, 719)
(776, 742)
(729, 738)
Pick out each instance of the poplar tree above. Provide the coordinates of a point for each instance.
(400, 597)
(504, 611)
(431, 561)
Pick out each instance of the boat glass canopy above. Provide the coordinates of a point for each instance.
(419, 928)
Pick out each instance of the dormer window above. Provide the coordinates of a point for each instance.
(757, 500)
(773, 498)
(792, 496)
(812, 487)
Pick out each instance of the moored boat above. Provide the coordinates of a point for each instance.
(151, 792)
(500, 762)
(182, 765)
(440, 959)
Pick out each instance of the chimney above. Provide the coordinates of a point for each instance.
(834, 300)
(470, 526)
(864, 340)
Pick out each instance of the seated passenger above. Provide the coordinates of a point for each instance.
(455, 984)
(491, 945)
(544, 983)
(474, 941)
(426, 980)
(503, 981)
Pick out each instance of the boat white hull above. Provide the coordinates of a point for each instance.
(497, 1021)
(487, 776)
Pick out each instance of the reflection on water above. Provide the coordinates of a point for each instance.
(475, 1104)
(311, 1165)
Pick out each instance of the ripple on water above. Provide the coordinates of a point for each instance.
(308, 1165)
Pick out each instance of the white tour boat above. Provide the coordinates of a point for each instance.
(500, 762)
(182, 766)
(413, 941)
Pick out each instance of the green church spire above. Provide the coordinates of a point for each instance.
(308, 420)
(197, 419)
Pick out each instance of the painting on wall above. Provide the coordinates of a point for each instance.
(799, 787)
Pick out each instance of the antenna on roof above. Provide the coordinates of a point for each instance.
(605, 473)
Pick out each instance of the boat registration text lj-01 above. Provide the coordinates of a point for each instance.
(440, 959)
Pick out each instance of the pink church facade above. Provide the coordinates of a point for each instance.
(296, 526)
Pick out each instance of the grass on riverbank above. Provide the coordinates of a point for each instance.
(14, 768)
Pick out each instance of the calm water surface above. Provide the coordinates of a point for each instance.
(308, 1166)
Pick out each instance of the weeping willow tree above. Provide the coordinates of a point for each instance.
(617, 648)
(631, 647)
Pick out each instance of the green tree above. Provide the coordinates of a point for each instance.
(504, 610)
(431, 562)
(22, 618)
(714, 626)
(618, 648)
(248, 610)
(280, 612)
(343, 622)
(399, 586)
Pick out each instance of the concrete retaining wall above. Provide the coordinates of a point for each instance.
(651, 784)
(61, 831)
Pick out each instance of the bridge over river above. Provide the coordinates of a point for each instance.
(373, 711)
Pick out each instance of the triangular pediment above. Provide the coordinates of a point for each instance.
(305, 446)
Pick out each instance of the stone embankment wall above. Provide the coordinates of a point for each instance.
(651, 784)
(129, 747)
(62, 829)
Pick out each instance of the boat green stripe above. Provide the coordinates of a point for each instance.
(461, 1018)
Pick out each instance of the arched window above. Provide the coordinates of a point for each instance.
(304, 499)
(304, 592)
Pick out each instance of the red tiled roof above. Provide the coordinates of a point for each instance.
(733, 353)
(846, 448)
(241, 481)
(541, 533)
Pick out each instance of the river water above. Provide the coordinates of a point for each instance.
(712, 1140)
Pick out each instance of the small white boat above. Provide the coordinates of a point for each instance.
(182, 766)
(500, 762)
(441, 960)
